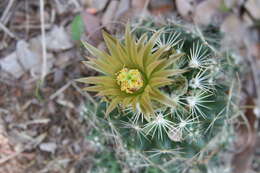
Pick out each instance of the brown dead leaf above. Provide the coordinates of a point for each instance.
(4, 145)
(186, 8)
(207, 12)
(234, 30)
(246, 140)
(256, 51)
(109, 15)
(253, 41)
(139, 4)
(123, 8)
(10, 65)
(93, 27)
(253, 6)
(161, 7)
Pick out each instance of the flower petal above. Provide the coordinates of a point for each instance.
(156, 55)
(157, 82)
(94, 88)
(172, 59)
(100, 66)
(127, 101)
(111, 44)
(123, 54)
(146, 105)
(102, 80)
(149, 45)
(158, 96)
(111, 92)
(94, 51)
(150, 68)
(129, 43)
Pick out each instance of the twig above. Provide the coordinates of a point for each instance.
(26, 124)
(61, 90)
(32, 26)
(43, 40)
(5, 159)
(84, 93)
(246, 11)
(7, 31)
(33, 144)
(4, 16)
(27, 19)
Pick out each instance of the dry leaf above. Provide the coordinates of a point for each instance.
(246, 141)
(186, 8)
(10, 65)
(93, 28)
(99, 5)
(109, 14)
(207, 12)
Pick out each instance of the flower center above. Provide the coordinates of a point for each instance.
(129, 80)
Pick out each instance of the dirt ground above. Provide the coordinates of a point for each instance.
(41, 124)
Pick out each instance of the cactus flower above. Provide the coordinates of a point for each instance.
(132, 72)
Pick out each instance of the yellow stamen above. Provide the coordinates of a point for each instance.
(129, 80)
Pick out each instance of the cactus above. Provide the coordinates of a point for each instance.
(166, 98)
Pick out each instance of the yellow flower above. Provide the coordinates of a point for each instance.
(129, 80)
(132, 72)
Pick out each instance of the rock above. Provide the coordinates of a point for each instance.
(10, 65)
(27, 57)
(99, 5)
(123, 7)
(207, 12)
(234, 30)
(186, 8)
(58, 39)
(63, 58)
(37, 70)
(48, 147)
(254, 7)
(36, 47)
(109, 14)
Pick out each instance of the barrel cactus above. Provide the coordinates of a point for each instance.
(164, 98)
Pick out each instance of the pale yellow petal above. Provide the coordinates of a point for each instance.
(159, 82)
(160, 97)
